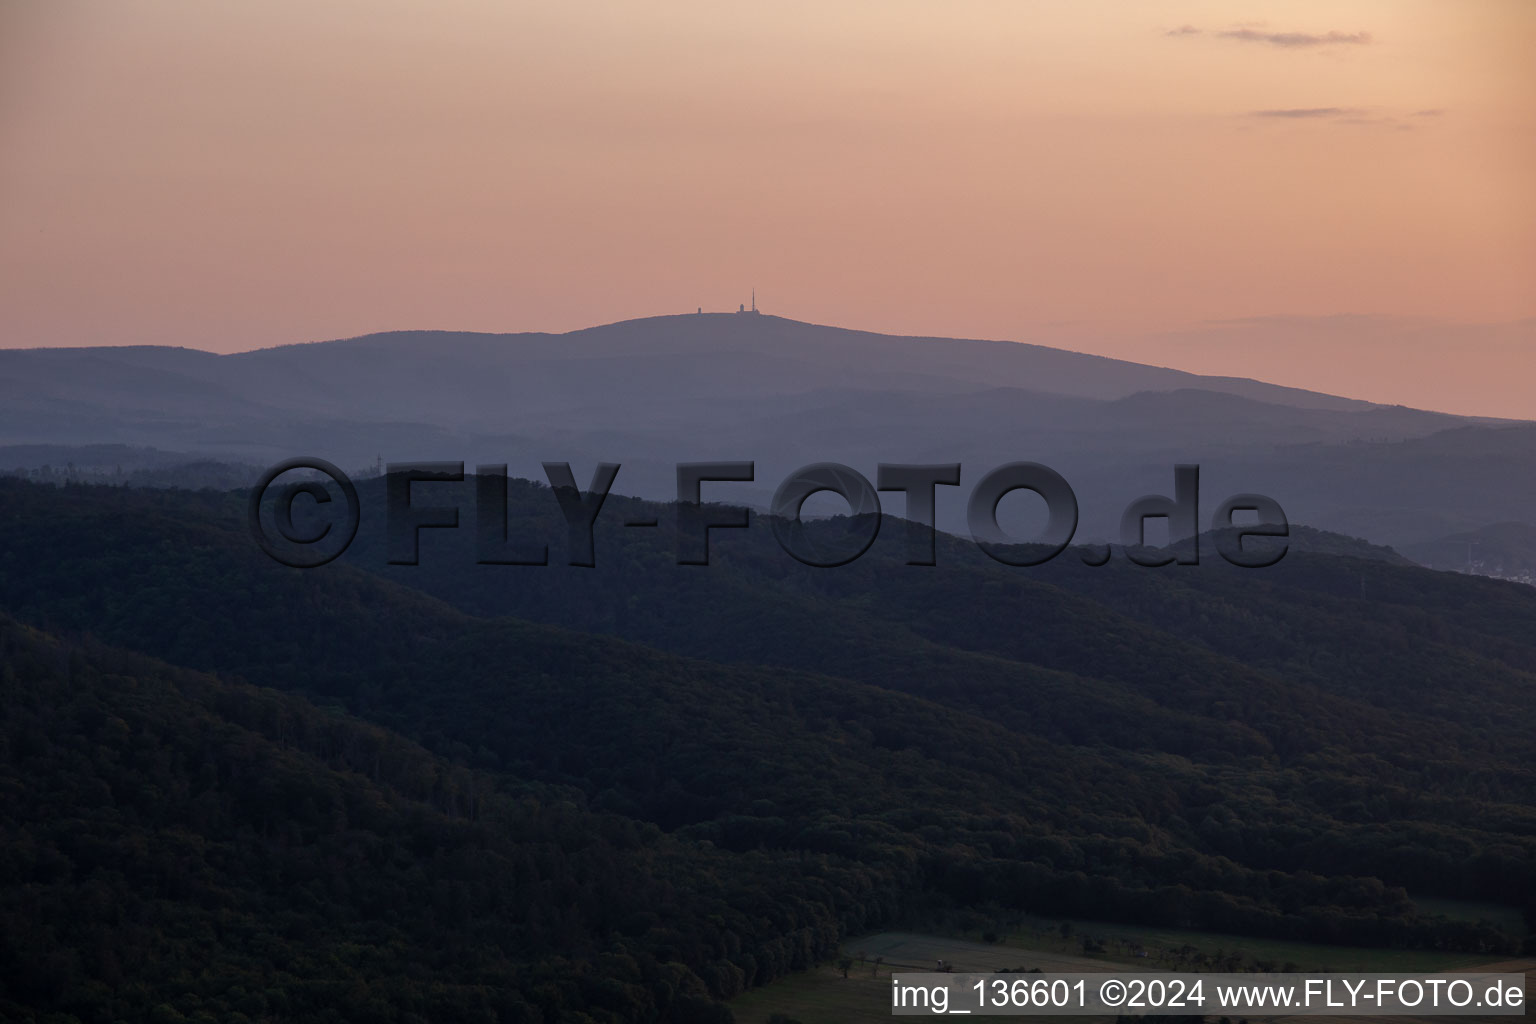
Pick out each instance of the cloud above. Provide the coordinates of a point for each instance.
(1183, 30)
(1374, 117)
(1295, 40)
(1304, 112)
(1341, 321)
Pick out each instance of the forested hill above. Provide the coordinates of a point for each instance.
(775, 754)
(176, 847)
(1340, 632)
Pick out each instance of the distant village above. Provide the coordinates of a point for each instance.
(1526, 576)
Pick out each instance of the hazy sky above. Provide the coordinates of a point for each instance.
(1120, 177)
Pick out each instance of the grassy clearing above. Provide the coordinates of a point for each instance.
(824, 996)
(1172, 948)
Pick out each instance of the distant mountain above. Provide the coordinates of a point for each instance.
(498, 382)
(759, 355)
(652, 392)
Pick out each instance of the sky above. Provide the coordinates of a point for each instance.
(1339, 195)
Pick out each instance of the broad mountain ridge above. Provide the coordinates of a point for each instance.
(652, 392)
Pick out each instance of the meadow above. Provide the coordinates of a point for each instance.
(825, 995)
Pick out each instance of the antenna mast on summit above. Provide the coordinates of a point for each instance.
(754, 300)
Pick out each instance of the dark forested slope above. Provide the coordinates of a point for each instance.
(1297, 751)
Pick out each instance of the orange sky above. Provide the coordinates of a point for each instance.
(1107, 176)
